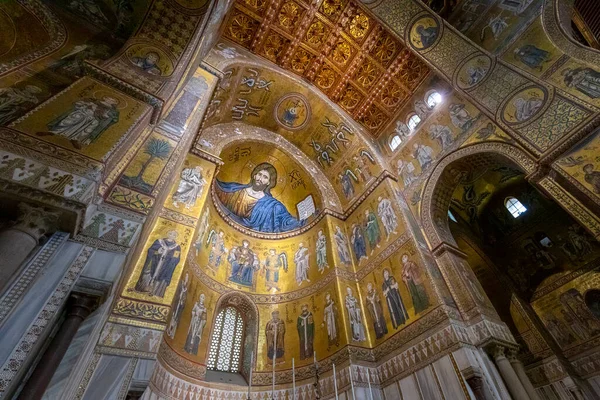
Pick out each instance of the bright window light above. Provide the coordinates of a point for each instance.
(395, 142)
(413, 122)
(434, 99)
(514, 206)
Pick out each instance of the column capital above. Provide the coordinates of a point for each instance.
(499, 351)
(35, 221)
(81, 305)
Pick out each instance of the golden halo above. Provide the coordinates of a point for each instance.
(99, 94)
(282, 179)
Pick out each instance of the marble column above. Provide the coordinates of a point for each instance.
(512, 381)
(78, 307)
(17, 241)
(520, 371)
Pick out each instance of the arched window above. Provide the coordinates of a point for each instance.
(433, 98)
(395, 142)
(514, 206)
(413, 122)
(226, 344)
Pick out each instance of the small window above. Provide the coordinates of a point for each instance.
(451, 216)
(226, 345)
(433, 99)
(413, 122)
(514, 206)
(395, 142)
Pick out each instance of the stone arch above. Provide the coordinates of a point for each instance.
(215, 138)
(249, 311)
(557, 13)
(439, 187)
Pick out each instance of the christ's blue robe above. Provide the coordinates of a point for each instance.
(268, 214)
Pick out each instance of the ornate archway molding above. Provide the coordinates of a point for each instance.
(437, 192)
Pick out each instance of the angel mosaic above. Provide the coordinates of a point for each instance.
(273, 263)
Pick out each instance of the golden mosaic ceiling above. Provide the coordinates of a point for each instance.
(337, 47)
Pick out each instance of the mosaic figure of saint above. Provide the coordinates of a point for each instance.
(148, 63)
(413, 279)
(585, 80)
(302, 264)
(342, 246)
(271, 266)
(427, 35)
(532, 56)
(252, 205)
(321, 252)
(85, 121)
(191, 184)
(388, 216)
(475, 74)
(442, 134)
(526, 108)
(161, 260)
(244, 263)
(330, 318)
(592, 177)
(180, 296)
(347, 186)
(355, 317)
(559, 331)
(197, 323)
(217, 248)
(358, 243)
(422, 109)
(275, 333)
(372, 230)
(393, 300)
(13, 102)
(376, 312)
(406, 170)
(306, 332)
(423, 154)
(460, 117)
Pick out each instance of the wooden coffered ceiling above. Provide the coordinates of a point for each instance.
(336, 46)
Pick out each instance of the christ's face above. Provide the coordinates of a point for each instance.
(261, 180)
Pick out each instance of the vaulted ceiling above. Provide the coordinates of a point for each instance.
(337, 47)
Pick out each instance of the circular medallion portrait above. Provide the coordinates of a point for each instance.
(424, 33)
(524, 105)
(292, 111)
(150, 60)
(473, 72)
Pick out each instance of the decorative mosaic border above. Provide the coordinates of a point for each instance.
(19, 287)
(41, 323)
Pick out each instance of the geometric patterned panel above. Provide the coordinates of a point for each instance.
(336, 46)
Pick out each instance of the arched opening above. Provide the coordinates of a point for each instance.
(233, 340)
(413, 121)
(395, 142)
(535, 263)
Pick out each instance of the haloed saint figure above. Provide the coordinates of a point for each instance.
(252, 204)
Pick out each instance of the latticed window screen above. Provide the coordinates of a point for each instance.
(226, 345)
(514, 206)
